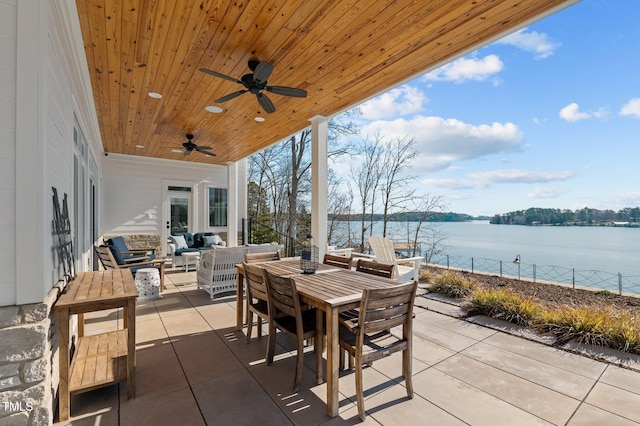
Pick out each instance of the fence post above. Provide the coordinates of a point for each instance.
(534, 272)
(620, 283)
(447, 261)
(573, 277)
(501, 269)
(472, 265)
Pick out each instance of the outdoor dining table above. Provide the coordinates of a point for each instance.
(289, 266)
(334, 292)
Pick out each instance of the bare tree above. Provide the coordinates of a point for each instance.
(426, 232)
(366, 177)
(287, 171)
(393, 183)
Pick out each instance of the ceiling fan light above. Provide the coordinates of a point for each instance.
(259, 119)
(214, 109)
(154, 95)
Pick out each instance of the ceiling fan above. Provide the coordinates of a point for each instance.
(255, 83)
(190, 146)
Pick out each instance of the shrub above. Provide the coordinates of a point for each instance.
(504, 304)
(453, 284)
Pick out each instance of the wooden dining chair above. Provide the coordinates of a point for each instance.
(368, 338)
(257, 298)
(375, 268)
(288, 316)
(337, 261)
(368, 267)
(261, 257)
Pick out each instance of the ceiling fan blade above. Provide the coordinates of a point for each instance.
(287, 91)
(230, 96)
(187, 152)
(262, 72)
(210, 154)
(219, 75)
(265, 103)
(199, 148)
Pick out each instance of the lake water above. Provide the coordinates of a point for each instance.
(552, 253)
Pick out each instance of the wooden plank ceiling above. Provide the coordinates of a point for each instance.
(341, 52)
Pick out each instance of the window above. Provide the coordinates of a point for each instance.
(217, 207)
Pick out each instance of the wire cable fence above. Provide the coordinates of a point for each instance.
(598, 280)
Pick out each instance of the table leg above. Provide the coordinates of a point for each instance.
(333, 349)
(131, 347)
(81, 325)
(239, 297)
(63, 339)
(318, 344)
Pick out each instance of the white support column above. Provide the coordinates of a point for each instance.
(232, 204)
(242, 194)
(319, 178)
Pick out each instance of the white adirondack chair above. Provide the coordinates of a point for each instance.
(383, 252)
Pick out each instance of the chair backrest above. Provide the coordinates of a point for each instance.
(261, 257)
(106, 257)
(375, 268)
(382, 249)
(338, 261)
(256, 287)
(385, 308)
(283, 296)
(219, 265)
(119, 244)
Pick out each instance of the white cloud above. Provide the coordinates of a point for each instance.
(546, 192)
(441, 141)
(629, 199)
(464, 69)
(481, 180)
(520, 176)
(540, 44)
(396, 102)
(455, 183)
(631, 108)
(571, 113)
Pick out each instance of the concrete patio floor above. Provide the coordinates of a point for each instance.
(194, 368)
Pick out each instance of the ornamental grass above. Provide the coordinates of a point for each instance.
(596, 325)
(453, 284)
(504, 304)
(601, 326)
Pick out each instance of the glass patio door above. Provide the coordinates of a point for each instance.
(179, 213)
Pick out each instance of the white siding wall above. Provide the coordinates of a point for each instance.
(42, 64)
(8, 151)
(133, 191)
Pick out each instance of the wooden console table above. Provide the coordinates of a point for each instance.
(99, 359)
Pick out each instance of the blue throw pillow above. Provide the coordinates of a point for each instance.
(179, 242)
(211, 240)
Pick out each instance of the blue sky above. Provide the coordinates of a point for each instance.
(546, 117)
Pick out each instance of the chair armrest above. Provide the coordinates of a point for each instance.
(157, 262)
(135, 260)
(364, 255)
(410, 259)
(138, 251)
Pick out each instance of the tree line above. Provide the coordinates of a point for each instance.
(584, 216)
